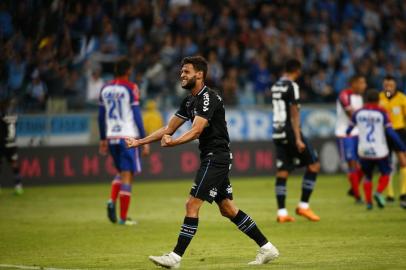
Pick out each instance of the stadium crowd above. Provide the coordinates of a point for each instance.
(59, 49)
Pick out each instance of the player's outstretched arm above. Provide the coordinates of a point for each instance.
(174, 123)
(199, 123)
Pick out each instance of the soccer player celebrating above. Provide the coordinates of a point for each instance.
(8, 145)
(292, 148)
(119, 118)
(394, 103)
(373, 124)
(348, 102)
(205, 108)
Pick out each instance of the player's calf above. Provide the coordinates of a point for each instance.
(111, 211)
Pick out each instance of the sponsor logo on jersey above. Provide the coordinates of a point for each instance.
(213, 192)
(206, 102)
(113, 95)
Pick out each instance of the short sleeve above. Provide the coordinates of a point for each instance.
(344, 99)
(136, 95)
(404, 106)
(182, 112)
(207, 105)
(387, 123)
(354, 118)
(294, 94)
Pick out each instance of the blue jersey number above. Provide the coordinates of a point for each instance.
(370, 134)
(116, 110)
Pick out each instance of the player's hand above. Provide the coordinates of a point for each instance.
(145, 150)
(132, 142)
(103, 147)
(166, 140)
(300, 145)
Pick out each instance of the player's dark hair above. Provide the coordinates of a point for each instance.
(389, 78)
(292, 65)
(121, 67)
(199, 63)
(355, 78)
(372, 96)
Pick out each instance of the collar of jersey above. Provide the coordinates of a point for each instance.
(284, 78)
(201, 91)
(371, 106)
(391, 96)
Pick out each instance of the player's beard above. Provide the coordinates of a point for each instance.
(190, 83)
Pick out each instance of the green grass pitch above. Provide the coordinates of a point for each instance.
(66, 227)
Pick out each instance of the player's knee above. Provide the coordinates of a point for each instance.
(352, 164)
(402, 160)
(282, 174)
(315, 167)
(228, 210)
(192, 208)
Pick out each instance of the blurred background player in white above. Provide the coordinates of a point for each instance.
(394, 102)
(119, 118)
(8, 144)
(292, 149)
(350, 100)
(374, 125)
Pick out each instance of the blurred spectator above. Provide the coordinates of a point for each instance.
(152, 117)
(109, 42)
(74, 89)
(36, 93)
(156, 75)
(16, 73)
(215, 72)
(230, 87)
(333, 39)
(321, 86)
(261, 78)
(94, 85)
(6, 24)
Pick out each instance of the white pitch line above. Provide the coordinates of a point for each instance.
(32, 267)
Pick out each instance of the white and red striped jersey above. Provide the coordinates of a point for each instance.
(118, 97)
(372, 122)
(347, 101)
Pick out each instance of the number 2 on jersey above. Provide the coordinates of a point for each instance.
(371, 129)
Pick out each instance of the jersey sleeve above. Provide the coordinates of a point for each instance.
(404, 106)
(207, 105)
(387, 123)
(352, 123)
(102, 122)
(135, 95)
(345, 100)
(101, 118)
(182, 112)
(294, 94)
(135, 106)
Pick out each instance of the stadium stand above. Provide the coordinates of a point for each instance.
(62, 43)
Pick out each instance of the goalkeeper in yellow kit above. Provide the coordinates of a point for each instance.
(395, 103)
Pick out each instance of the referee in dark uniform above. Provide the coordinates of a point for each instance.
(205, 108)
